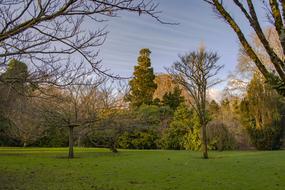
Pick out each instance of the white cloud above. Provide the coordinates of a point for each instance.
(215, 94)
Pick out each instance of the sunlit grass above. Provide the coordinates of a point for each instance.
(49, 168)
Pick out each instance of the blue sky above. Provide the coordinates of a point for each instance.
(197, 23)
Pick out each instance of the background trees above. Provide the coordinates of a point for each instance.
(52, 38)
(50, 94)
(18, 109)
(250, 86)
(262, 113)
(73, 106)
(92, 112)
(173, 99)
(196, 72)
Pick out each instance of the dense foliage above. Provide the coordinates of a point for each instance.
(262, 111)
(102, 119)
(142, 86)
(173, 99)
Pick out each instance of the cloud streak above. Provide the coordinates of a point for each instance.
(129, 33)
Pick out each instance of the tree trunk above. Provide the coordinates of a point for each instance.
(79, 141)
(114, 149)
(204, 122)
(71, 153)
(204, 143)
(113, 146)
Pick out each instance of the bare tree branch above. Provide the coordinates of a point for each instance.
(273, 12)
(47, 32)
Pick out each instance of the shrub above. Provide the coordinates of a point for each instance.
(219, 137)
(266, 138)
(172, 137)
(139, 139)
(192, 140)
(102, 138)
(5, 139)
(54, 137)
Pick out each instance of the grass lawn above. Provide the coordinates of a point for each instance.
(48, 168)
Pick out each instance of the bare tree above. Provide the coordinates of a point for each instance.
(196, 72)
(274, 10)
(72, 106)
(49, 33)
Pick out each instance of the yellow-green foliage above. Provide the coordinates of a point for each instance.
(172, 137)
(261, 112)
(192, 140)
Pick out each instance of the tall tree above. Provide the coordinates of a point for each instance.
(15, 77)
(196, 72)
(142, 86)
(16, 104)
(261, 114)
(275, 11)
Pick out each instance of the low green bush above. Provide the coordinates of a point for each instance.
(266, 138)
(139, 139)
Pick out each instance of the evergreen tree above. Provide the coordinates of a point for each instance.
(13, 85)
(173, 136)
(15, 76)
(142, 86)
(173, 99)
(183, 115)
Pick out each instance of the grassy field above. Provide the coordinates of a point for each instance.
(42, 168)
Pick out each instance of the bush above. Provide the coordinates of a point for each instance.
(219, 137)
(192, 140)
(172, 137)
(143, 139)
(5, 138)
(102, 138)
(266, 138)
(54, 137)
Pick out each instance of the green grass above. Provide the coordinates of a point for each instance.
(43, 168)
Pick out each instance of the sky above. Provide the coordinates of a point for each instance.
(198, 24)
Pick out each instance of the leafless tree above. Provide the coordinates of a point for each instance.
(196, 72)
(47, 34)
(274, 10)
(72, 106)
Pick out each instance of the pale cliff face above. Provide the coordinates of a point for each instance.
(166, 84)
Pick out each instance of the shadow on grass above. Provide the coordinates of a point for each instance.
(82, 155)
